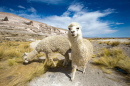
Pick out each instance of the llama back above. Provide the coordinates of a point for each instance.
(54, 43)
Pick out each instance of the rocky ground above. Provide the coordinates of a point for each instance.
(61, 77)
(94, 76)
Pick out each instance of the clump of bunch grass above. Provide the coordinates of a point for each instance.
(124, 65)
(108, 71)
(113, 58)
(13, 49)
(116, 43)
(93, 56)
(100, 42)
(107, 42)
(40, 69)
(127, 43)
(11, 62)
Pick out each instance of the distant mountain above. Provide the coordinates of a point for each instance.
(13, 27)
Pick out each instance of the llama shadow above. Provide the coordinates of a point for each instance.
(59, 68)
(63, 69)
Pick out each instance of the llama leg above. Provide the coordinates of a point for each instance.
(84, 68)
(73, 72)
(66, 61)
(50, 58)
(53, 62)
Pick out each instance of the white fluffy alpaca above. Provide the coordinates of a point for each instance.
(82, 49)
(49, 45)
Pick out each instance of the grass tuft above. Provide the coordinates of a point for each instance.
(9, 50)
(11, 62)
(108, 71)
(127, 43)
(116, 43)
(112, 58)
(93, 56)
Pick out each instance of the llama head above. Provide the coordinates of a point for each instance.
(25, 57)
(74, 29)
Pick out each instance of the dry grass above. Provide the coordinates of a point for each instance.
(9, 50)
(113, 58)
(108, 71)
(19, 75)
(107, 42)
(115, 43)
(93, 56)
(12, 70)
(124, 65)
(11, 62)
(127, 43)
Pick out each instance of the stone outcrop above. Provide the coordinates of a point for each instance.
(5, 19)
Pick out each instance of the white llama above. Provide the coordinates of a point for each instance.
(49, 45)
(82, 49)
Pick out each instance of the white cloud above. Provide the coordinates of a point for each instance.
(55, 2)
(75, 7)
(21, 7)
(32, 9)
(11, 9)
(90, 21)
(119, 23)
(109, 11)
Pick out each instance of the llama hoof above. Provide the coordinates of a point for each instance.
(83, 72)
(72, 79)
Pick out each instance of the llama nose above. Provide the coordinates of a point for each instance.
(72, 31)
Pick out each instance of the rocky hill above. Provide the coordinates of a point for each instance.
(13, 27)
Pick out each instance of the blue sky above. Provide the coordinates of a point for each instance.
(98, 18)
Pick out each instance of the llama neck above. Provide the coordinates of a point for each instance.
(77, 41)
(32, 54)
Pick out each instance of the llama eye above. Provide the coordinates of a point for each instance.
(77, 28)
(69, 28)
